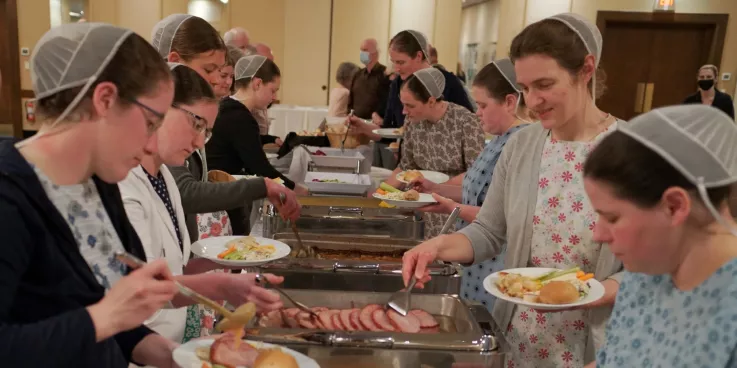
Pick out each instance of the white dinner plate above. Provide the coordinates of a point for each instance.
(392, 149)
(186, 357)
(425, 199)
(210, 248)
(596, 289)
(390, 133)
(433, 176)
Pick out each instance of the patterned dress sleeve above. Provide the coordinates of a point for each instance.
(408, 146)
(473, 137)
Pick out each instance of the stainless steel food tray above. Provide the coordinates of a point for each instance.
(357, 275)
(463, 327)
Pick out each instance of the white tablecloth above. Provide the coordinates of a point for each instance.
(290, 118)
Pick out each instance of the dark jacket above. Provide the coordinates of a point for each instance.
(45, 282)
(199, 196)
(722, 101)
(235, 146)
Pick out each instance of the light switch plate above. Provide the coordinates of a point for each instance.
(27, 65)
(726, 76)
(25, 51)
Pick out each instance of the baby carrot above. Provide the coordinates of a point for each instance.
(580, 273)
(226, 252)
(586, 277)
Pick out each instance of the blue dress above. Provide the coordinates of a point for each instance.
(475, 186)
(656, 325)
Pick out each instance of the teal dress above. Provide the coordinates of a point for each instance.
(475, 186)
(654, 324)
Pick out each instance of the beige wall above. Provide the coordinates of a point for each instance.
(447, 31)
(412, 14)
(349, 33)
(480, 25)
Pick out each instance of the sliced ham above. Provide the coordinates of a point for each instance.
(366, 319)
(335, 319)
(306, 320)
(326, 319)
(273, 319)
(224, 351)
(408, 324)
(319, 309)
(382, 320)
(345, 319)
(426, 319)
(355, 319)
(290, 317)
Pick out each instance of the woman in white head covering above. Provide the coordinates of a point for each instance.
(153, 204)
(536, 205)
(661, 186)
(441, 135)
(102, 93)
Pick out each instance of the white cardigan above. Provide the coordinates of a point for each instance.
(148, 214)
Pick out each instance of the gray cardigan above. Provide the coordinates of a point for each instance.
(200, 196)
(506, 218)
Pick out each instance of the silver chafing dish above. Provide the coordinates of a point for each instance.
(464, 329)
(357, 263)
(347, 216)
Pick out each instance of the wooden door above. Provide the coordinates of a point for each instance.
(651, 60)
(10, 100)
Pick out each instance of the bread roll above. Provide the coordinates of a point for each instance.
(217, 176)
(558, 292)
(275, 358)
(413, 175)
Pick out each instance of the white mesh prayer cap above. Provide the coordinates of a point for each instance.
(698, 140)
(248, 66)
(589, 35)
(164, 31)
(506, 68)
(433, 80)
(422, 41)
(73, 55)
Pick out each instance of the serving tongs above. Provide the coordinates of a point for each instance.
(303, 251)
(241, 316)
(345, 137)
(262, 281)
(400, 301)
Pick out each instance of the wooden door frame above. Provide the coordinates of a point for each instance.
(719, 21)
(12, 77)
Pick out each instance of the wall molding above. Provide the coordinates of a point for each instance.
(469, 3)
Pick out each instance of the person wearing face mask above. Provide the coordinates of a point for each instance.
(442, 137)
(502, 112)
(536, 207)
(409, 52)
(662, 186)
(370, 86)
(708, 94)
(153, 205)
(192, 41)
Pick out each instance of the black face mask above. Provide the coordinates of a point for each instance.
(706, 84)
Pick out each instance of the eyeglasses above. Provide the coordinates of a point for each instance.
(199, 124)
(152, 124)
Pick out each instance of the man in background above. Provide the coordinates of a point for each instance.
(239, 38)
(264, 50)
(368, 95)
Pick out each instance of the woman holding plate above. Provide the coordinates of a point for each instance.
(536, 205)
(154, 207)
(662, 186)
(502, 112)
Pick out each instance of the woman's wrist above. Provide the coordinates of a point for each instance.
(102, 321)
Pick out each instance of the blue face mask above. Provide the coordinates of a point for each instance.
(365, 57)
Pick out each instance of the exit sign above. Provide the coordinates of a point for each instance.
(664, 5)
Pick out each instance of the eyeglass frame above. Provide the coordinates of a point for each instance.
(197, 119)
(153, 126)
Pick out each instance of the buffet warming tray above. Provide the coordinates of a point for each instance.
(357, 263)
(347, 216)
(463, 327)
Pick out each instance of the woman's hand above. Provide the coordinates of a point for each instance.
(133, 299)
(444, 205)
(358, 126)
(279, 142)
(416, 260)
(241, 288)
(291, 208)
(377, 120)
(423, 185)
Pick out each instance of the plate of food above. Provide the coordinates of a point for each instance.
(391, 133)
(397, 198)
(434, 176)
(393, 147)
(228, 351)
(240, 251)
(545, 288)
